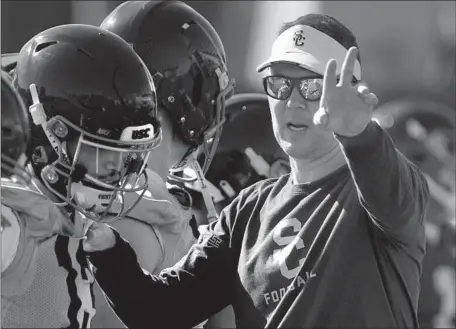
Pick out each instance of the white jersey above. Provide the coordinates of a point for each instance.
(45, 279)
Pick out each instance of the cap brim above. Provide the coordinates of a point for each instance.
(304, 60)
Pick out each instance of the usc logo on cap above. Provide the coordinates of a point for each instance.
(299, 38)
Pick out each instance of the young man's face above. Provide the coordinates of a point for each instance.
(105, 170)
(292, 119)
(105, 165)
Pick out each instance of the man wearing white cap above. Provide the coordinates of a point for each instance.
(337, 243)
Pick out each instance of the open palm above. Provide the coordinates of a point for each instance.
(345, 109)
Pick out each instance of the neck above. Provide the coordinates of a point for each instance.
(163, 158)
(309, 170)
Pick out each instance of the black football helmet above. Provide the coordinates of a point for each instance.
(15, 132)
(187, 59)
(244, 155)
(89, 95)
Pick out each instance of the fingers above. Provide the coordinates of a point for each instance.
(99, 239)
(91, 233)
(96, 225)
(321, 118)
(370, 99)
(362, 89)
(94, 233)
(329, 80)
(348, 67)
(364, 93)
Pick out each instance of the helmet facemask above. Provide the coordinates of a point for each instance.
(205, 145)
(208, 139)
(213, 133)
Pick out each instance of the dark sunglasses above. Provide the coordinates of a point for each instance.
(281, 87)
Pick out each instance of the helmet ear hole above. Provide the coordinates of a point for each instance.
(44, 45)
(39, 156)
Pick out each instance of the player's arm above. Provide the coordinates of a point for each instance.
(149, 252)
(199, 285)
(392, 190)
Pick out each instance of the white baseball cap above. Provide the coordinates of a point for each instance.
(308, 48)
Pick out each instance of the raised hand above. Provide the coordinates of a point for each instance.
(345, 109)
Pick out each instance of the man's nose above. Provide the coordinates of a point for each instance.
(296, 101)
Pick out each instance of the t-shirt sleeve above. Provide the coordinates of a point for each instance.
(392, 190)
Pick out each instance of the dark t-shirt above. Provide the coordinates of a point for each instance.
(342, 251)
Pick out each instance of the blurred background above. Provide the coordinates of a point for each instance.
(408, 55)
(406, 47)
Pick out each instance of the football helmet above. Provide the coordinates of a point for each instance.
(93, 105)
(244, 155)
(187, 59)
(15, 132)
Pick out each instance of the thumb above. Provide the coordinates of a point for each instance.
(371, 99)
(91, 234)
(321, 118)
(87, 243)
(90, 237)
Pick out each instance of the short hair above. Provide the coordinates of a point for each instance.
(329, 26)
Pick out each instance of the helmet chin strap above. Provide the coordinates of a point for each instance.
(181, 165)
(212, 214)
(91, 199)
(190, 161)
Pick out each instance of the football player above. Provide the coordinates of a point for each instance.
(93, 106)
(188, 64)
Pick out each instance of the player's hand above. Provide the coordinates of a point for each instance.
(345, 109)
(44, 218)
(99, 237)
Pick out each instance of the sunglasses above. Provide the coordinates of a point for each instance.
(281, 87)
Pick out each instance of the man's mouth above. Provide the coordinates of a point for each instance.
(296, 126)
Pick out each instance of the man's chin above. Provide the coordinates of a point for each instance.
(308, 146)
(295, 149)
(301, 151)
